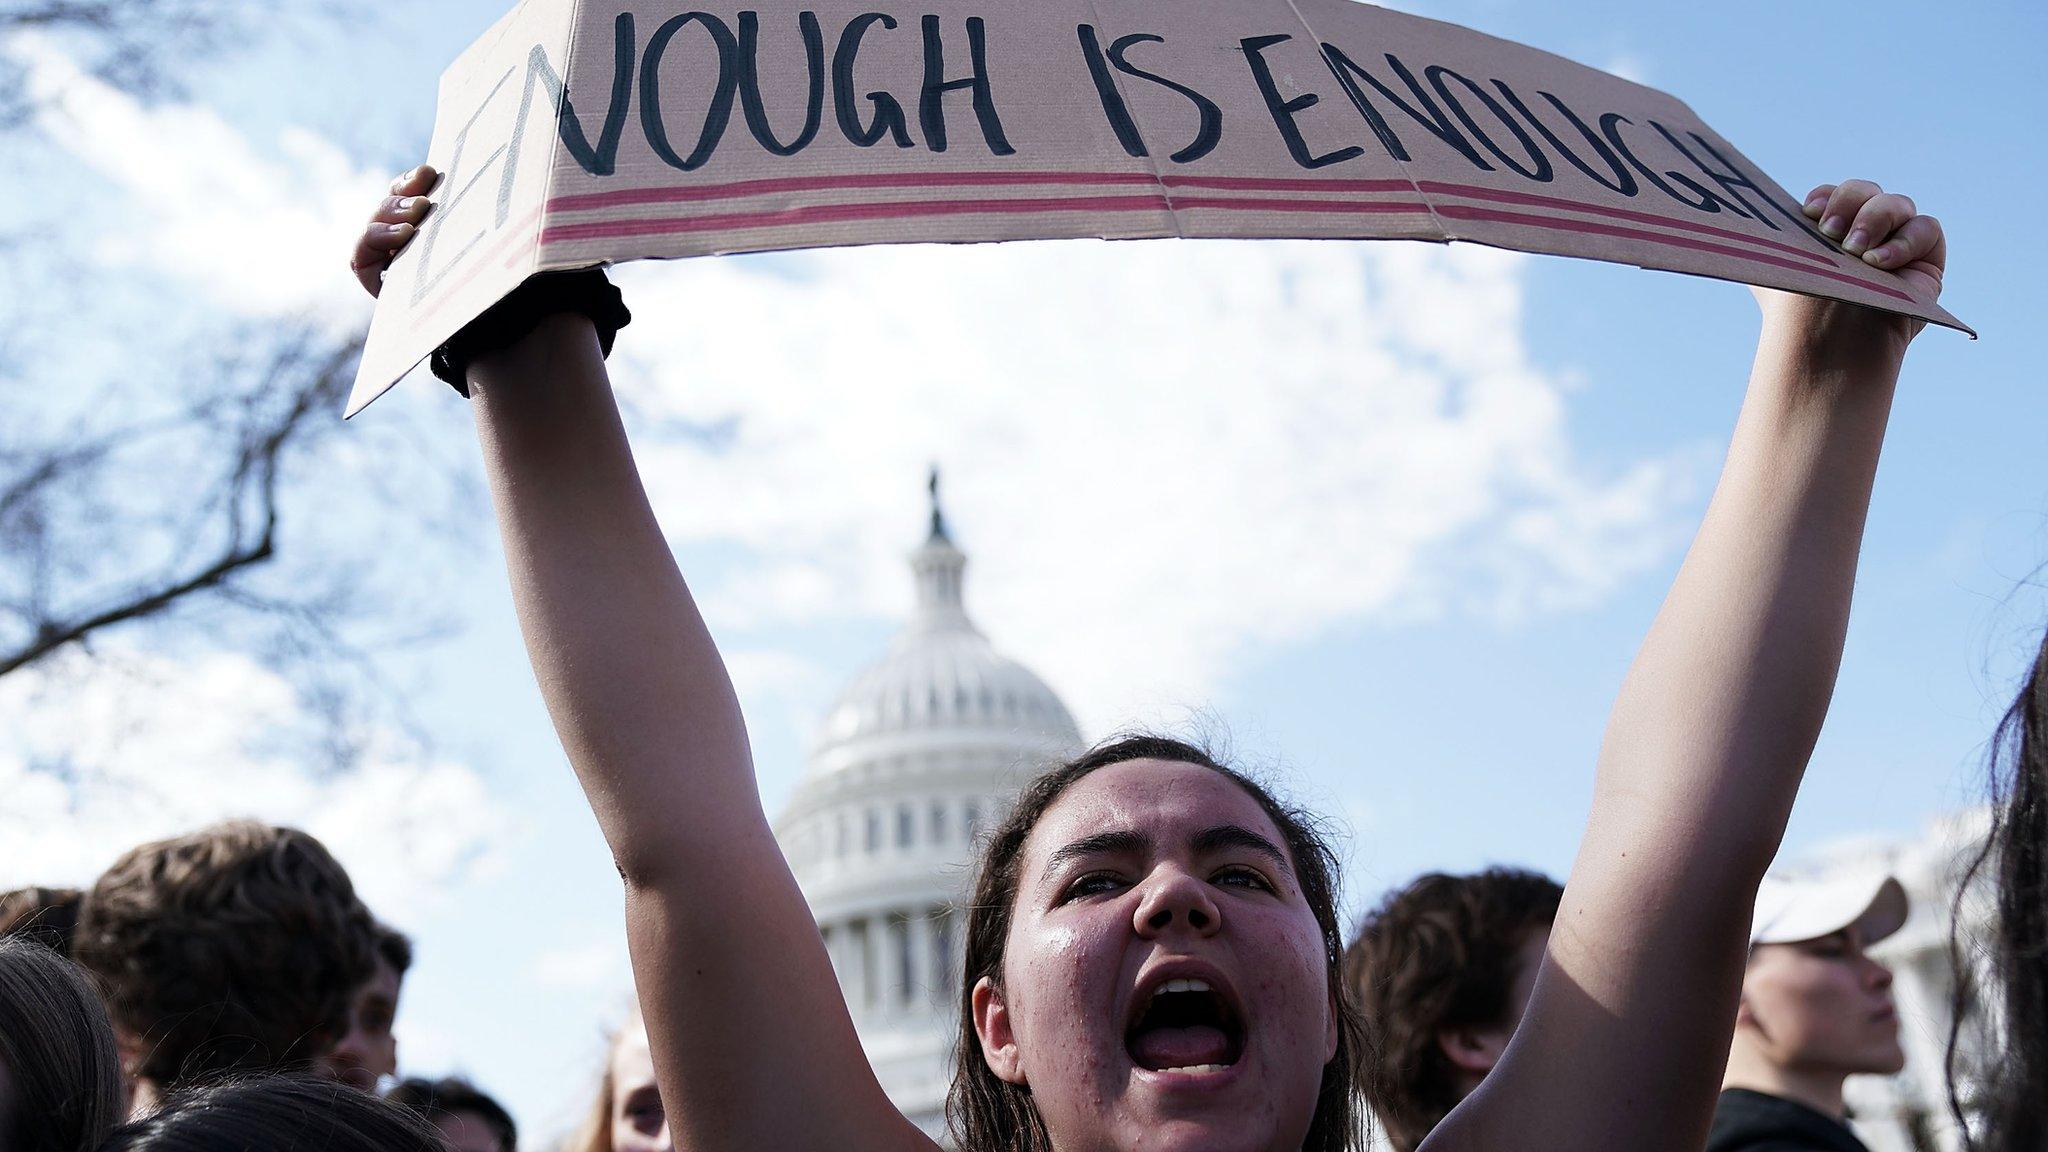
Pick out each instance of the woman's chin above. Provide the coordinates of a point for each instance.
(1232, 1133)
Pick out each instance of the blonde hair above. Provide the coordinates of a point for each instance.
(594, 1134)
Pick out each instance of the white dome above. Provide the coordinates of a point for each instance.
(946, 680)
(923, 750)
(941, 675)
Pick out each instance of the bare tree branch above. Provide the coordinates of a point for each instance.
(206, 511)
(136, 45)
(315, 384)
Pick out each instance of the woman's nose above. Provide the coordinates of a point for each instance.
(1173, 901)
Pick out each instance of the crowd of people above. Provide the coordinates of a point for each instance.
(212, 991)
(224, 985)
(1153, 957)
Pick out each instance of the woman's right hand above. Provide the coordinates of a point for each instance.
(392, 227)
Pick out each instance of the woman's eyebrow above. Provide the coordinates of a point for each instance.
(1234, 836)
(1102, 843)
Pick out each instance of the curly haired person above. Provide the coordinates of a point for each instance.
(1442, 970)
(233, 949)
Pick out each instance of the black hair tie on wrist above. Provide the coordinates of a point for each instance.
(585, 291)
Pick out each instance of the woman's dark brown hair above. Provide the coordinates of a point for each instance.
(989, 1114)
(234, 949)
(2009, 1111)
(58, 1049)
(1439, 953)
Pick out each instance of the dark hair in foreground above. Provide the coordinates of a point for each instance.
(47, 916)
(432, 1099)
(989, 1114)
(2011, 1110)
(56, 1045)
(276, 1113)
(1439, 953)
(233, 949)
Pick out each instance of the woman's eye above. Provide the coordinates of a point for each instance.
(1093, 884)
(1243, 878)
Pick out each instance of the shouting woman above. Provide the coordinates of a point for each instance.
(1153, 959)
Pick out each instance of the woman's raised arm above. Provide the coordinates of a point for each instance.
(1627, 1033)
(752, 1044)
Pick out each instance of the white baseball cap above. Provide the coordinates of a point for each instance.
(1789, 911)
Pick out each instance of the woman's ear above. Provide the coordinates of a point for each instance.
(998, 1040)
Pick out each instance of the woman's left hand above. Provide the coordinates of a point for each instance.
(1885, 230)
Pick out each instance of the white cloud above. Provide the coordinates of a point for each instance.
(100, 754)
(1165, 458)
(261, 228)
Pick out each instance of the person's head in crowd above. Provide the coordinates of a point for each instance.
(467, 1119)
(275, 1112)
(367, 1051)
(47, 916)
(627, 1115)
(1229, 874)
(60, 1076)
(1441, 972)
(2007, 1098)
(233, 949)
(1816, 1008)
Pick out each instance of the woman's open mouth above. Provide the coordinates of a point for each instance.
(1185, 1026)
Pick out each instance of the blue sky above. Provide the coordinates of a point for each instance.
(1441, 691)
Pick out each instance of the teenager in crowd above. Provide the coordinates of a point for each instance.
(48, 916)
(368, 1051)
(1815, 1010)
(626, 1115)
(60, 1077)
(1153, 957)
(2008, 1110)
(233, 949)
(1441, 972)
(467, 1119)
(275, 1113)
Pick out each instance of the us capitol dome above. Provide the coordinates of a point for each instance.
(921, 752)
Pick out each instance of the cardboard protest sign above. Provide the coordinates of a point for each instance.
(578, 132)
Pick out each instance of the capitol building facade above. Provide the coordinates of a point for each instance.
(923, 750)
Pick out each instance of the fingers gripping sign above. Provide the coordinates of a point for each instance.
(1884, 228)
(391, 227)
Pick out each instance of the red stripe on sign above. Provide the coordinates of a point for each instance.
(1268, 204)
(1474, 192)
(1464, 212)
(1286, 184)
(897, 209)
(692, 193)
(835, 213)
